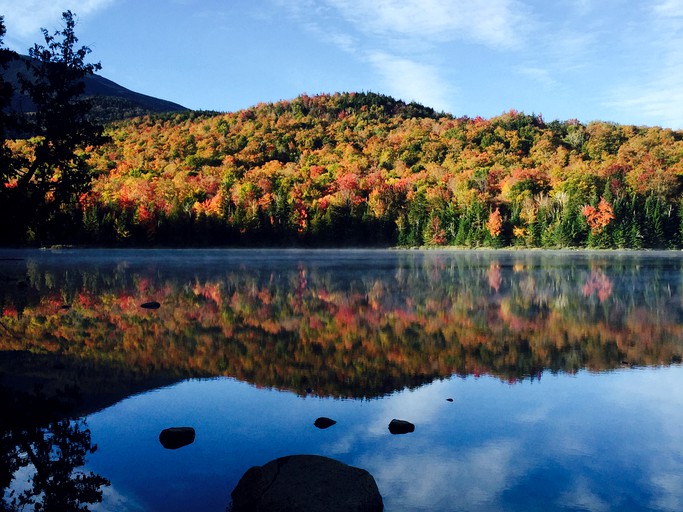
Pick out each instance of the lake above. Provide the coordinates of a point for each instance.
(536, 380)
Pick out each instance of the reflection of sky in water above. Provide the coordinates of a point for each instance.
(610, 441)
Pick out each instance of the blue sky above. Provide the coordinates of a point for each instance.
(611, 60)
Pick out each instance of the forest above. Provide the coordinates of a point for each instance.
(366, 169)
(342, 169)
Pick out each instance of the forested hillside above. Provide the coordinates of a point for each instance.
(365, 169)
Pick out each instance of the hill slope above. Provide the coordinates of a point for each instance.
(111, 101)
(360, 169)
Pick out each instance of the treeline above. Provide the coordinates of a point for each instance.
(365, 169)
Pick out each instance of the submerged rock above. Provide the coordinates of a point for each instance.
(176, 437)
(323, 422)
(306, 482)
(401, 427)
(151, 305)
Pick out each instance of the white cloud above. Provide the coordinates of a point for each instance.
(669, 8)
(498, 23)
(411, 80)
(25, 18)
(404, 40)
(659, 98)
(539, 75)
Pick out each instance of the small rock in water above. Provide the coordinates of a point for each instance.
(401, 427)
(151, 305)
(449, 399)
(65, 306)
(176, 437)
(323, 422)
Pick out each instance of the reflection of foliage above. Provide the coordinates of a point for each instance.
(363, 330)
(48, 458)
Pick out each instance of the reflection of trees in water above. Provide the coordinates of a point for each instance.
(358, 328)
(41, 460)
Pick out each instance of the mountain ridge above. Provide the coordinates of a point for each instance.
(111, 101)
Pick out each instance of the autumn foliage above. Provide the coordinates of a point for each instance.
(598, 218)
(365, 169)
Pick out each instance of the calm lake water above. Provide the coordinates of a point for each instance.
(536, 380)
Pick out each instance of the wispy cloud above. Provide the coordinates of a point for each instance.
(498, 23)
(400, 39)
(660, 96)
(540, 75)
(412, 81)
(25, 18)
(669, 8)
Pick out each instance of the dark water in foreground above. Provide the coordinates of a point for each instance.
(564, 371)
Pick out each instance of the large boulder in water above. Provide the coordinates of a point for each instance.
(309, 483)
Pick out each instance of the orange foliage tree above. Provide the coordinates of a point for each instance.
(598, 218)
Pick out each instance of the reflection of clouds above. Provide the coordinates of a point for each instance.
(669, 491)
(581, 442)
(536, 415)
(21, 480)
(112, 499)
(581, 497)
(418, 406)
(659, 396)
(424, 471)
(475, 477)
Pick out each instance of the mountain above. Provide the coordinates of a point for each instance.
(112, 101)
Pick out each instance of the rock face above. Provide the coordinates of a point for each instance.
(176, 437)
(401, 427)
(308, 483)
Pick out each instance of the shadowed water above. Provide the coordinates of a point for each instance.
(562, 368)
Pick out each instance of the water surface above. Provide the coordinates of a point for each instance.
(563, 369)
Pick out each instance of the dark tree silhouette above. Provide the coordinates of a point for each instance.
(7, 120)
(44, 184)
